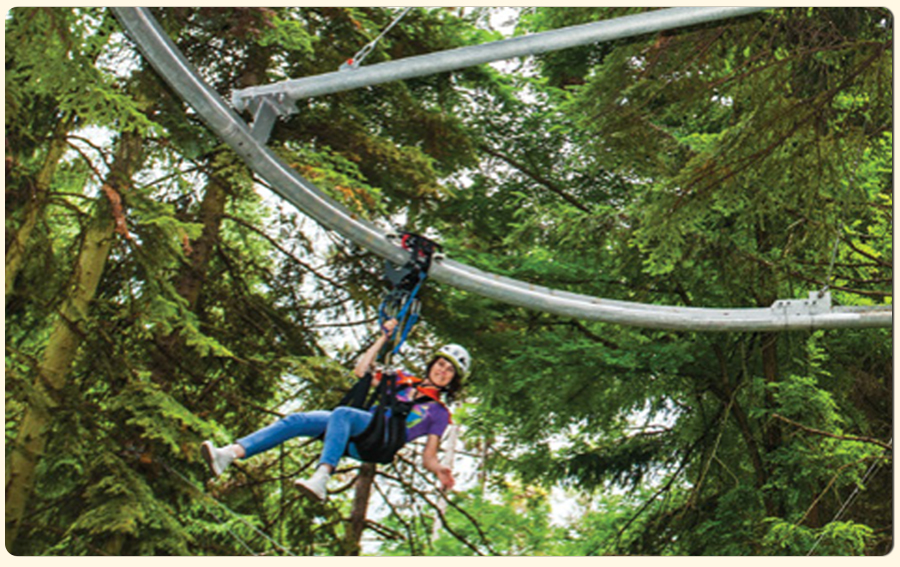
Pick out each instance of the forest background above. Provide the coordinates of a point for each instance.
(158, 295)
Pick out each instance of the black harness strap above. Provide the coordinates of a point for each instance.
(386, 433)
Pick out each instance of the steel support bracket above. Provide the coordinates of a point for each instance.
(819, 302)
(266, 109)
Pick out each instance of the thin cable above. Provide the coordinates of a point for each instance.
(849, 500)
(828, 278)
(227, 509)
(236, 537)
(357, 59)
(206, 496)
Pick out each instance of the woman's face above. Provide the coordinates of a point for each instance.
(442, 372)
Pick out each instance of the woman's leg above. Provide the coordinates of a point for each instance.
(307, 424)
(343, 424)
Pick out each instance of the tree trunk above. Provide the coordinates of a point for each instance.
(759, 467)
(212, 209)
(771, 430)
(189, 282)
(725, 391)
(191, 278)
(360, 508)
(34, 207)
(65, 338)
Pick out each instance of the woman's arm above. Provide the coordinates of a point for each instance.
(431, 462)
(366, 360)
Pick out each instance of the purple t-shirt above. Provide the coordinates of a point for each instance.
(426, 418)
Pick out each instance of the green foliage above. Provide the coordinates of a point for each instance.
(731, 199)
(516, 524)
(158, 418)
(626, 464)
(339, 177)
(73, 68)
(288, 32)
(836, 538)
(122, 504)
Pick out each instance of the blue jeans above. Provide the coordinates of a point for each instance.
(338, 426)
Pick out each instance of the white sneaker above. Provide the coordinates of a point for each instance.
(314, 488)
(217, 459)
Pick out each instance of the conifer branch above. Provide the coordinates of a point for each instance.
(814, 431)
(408, 486)
(410, 536)
(828, 487)
(536, 177)
(281, 249)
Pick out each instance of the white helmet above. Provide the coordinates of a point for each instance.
(458, 356)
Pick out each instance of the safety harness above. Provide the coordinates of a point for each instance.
(386, 433)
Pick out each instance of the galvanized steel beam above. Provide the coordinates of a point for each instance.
(227, 125)
(287, 92)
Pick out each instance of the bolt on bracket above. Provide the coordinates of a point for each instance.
(818, 302)
(265, 110)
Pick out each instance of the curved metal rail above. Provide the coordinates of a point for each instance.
(815, 312)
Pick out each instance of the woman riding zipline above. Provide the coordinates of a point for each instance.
(344, 427)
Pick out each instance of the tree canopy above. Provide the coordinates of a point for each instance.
(159, 294)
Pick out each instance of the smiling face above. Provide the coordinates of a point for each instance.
(442, 372)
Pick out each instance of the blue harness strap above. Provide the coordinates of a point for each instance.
(403, 306)
(411, 307)
(401, 302)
